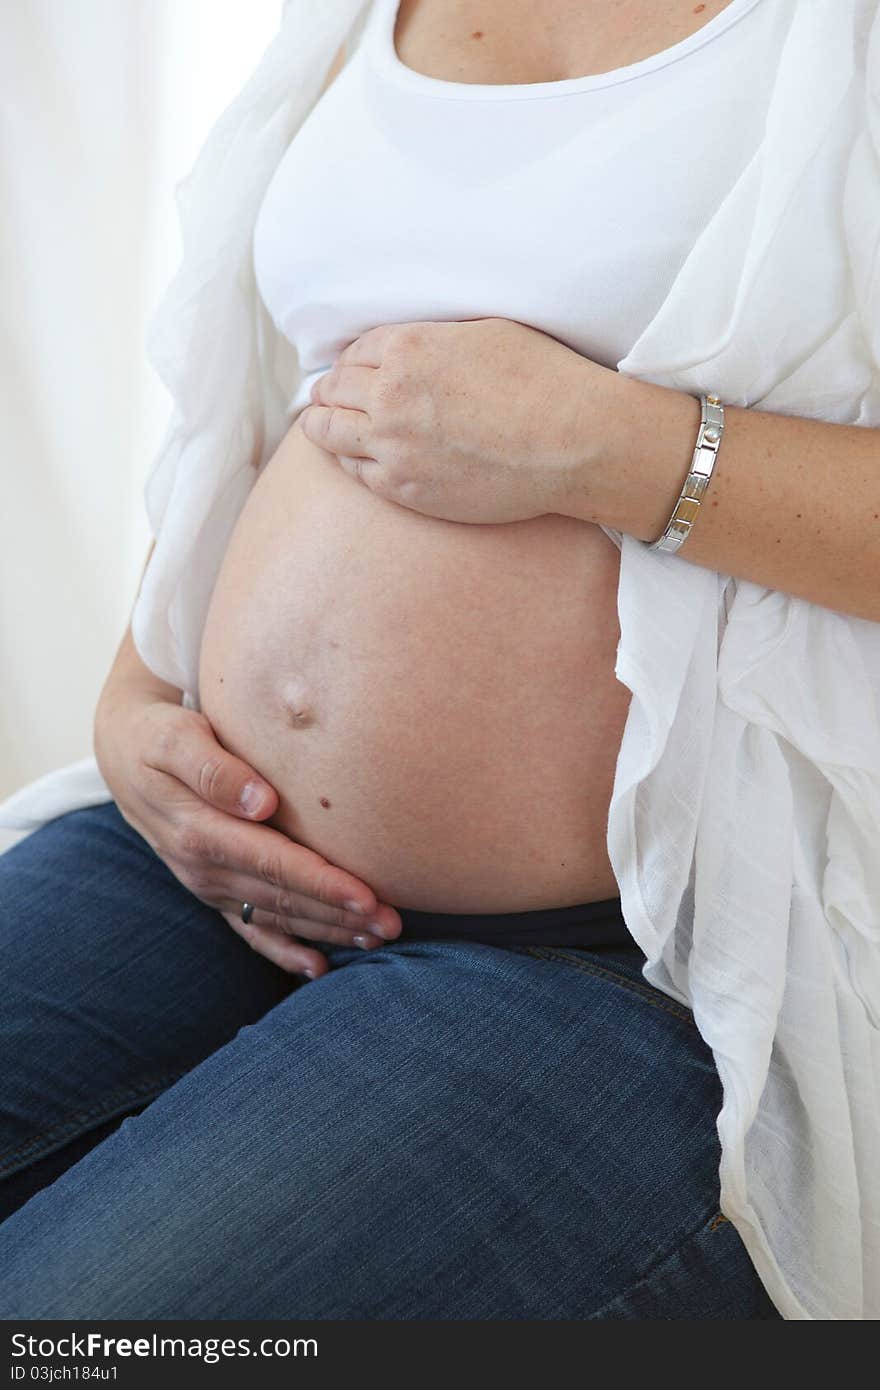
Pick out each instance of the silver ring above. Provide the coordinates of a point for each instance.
(246, 912)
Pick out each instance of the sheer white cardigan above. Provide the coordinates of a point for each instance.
(744, 828)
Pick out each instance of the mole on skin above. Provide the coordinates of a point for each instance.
(324, 802)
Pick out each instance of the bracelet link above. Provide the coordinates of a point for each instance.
(687, 510)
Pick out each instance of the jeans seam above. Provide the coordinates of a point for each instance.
(49, 1140)
(709, 1222)
(602, 971)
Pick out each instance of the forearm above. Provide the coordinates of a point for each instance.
(793, 504)
(129, 673)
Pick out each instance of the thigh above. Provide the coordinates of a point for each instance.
(114, 981)
(430, 1130)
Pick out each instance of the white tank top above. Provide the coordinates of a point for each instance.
(569, 206)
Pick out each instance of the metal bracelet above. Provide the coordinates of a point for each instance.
(687, 507)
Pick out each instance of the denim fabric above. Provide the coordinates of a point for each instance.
(433, 1129)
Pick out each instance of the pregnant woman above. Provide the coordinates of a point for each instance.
(439, 1084)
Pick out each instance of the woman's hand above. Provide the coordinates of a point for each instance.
(476, 421)
(182, 791)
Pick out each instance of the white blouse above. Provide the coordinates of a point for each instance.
(744, 826)
(540, 202)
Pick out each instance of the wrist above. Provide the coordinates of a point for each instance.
(130, 676)
(131, 689)
(119, 700)
(630, 449)
(121, 695)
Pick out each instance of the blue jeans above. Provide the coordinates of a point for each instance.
(433, 1129)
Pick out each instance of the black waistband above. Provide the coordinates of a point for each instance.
(584, 924)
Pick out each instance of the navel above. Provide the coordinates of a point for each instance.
(297, 704)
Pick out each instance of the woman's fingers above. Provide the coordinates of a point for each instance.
(293, 912)
(204, 838)
(337, 430)
(349, 386)
(184, 798)
(259, 851)
(198, 787)
(282, 950)
(183, 744)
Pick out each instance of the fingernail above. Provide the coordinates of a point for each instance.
(381, 929)
(361, 941)
(251, 798)
(355, 907)
(309, 973)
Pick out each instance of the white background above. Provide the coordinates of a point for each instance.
(105, 104)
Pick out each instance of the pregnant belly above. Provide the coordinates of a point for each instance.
(435, 703)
